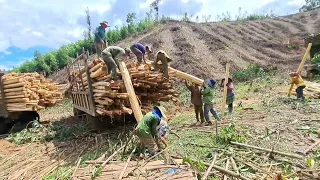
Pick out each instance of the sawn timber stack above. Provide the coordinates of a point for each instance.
(29, 92)
(110, 96)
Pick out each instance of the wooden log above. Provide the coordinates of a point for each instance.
(15, 85)
(132, 95)
(268, 150)
(185, 76)
(99, 72)
(101, 84)
(16, 93)
(17, 100)
(15, 97)
(13, 80)
(225, 88)
(205, 177)
(126, 110)
(95, 68)
(127, 163)
(14, 89)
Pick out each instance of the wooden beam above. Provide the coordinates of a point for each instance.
(132, 95)
(225, 89)
(185, 76)
(301, 65)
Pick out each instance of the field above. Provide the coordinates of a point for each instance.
(62, 145)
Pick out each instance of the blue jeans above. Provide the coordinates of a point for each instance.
(207, 108)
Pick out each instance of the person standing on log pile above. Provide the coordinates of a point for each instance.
(146, 130)
(139, 50)
(298, 81)
(100, 37)
(207, 93)
(164, 58)
(230, 94)
(196, 100)
(111, 57)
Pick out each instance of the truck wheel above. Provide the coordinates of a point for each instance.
(3, 126)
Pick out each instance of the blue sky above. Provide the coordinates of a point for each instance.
(29, 25)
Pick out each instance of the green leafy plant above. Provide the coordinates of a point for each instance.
(230, 133)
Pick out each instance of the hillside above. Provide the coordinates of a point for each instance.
(202, 49)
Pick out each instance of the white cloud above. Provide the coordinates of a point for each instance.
(297, 2)
(4, 67)
(146, 4)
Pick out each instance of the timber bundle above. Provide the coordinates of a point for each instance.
(312, 90)
(29, 92)
(110, 96)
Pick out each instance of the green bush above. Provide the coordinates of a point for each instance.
(253, 71)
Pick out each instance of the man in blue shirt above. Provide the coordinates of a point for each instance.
(139, 50)
(100, 37)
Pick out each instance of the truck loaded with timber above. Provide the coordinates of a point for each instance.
(22, 96)
(138, 90)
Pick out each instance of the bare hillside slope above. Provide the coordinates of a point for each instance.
(203, 49)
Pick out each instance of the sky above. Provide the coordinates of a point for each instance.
(29, 25)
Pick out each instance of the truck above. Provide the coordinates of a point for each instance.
(314, 67)
(9, 119)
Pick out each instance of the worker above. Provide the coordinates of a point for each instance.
(230, 94)
(162, 130)
(164, 58)
(146, 130)
(298, 81)
(207, 93)
(196, 100)
(139, 50)
(111, 56)
(100, 37)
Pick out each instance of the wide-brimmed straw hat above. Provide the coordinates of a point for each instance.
(105, 23)
(163, 111)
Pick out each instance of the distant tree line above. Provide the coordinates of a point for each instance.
(310, 5)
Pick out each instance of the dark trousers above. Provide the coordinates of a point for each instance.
(137, 52)
(230, 108)
(199, 112)
(299, 92)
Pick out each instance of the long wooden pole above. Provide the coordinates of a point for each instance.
(205, 177)
(268, 150)
(301, 65)
(185, 76)
(225, 89)
(132, 95)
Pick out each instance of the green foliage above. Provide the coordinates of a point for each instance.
(195, 164)
(316, 59)
(230, 133)
(253, 71)
(61, 173)
(185, 17)
(310, 5)
(40, 133)
(185, 95)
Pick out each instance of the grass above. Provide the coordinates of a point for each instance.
(253, 71)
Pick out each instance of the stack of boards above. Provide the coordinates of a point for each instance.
(111, 97)
(29, 92)
(312, 90)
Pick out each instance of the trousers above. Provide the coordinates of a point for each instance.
(137, 52)
(161, 57)
(111, 63)
(299, 92)
(209, 107)
(199, 112)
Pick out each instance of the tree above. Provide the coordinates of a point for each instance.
(185, 17)
(310, 5)
(124, 32)
(130, 20)
(197, 19)
(51, 61)
(87, 33)
(41, 65)
(155, 6)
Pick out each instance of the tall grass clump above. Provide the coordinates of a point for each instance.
(253, 71)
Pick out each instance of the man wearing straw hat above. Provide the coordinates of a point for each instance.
(147, 131)
(100, 37)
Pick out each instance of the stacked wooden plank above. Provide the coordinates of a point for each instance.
(29, 92)
(312, 90)
(111, 97)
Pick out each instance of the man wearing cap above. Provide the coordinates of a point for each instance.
(164, 58)
(100, 37)
(146, 129)
(139, 50)
(111, 57)
(162, 129)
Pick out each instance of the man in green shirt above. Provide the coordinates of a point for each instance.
(100, 37)
(147, 131)
(111, 57)
(207, 96)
